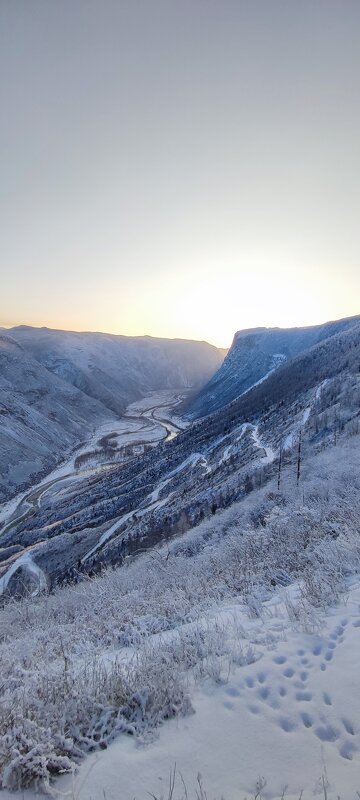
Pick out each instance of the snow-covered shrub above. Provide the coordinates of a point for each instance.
(49, 719)
(29, 754)
(302, 614)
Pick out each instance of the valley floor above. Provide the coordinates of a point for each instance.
(145, 423)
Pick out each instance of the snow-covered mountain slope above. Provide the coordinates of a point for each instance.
(237, 643)
(41, 417)
(105, 517)
(56, 387)
(119, 369)
(253, 355)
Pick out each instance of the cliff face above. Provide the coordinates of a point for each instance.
(254, 354)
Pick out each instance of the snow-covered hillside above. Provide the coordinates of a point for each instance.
(232, 653)
(41, 417)
(254, 354)
(119, 369)
(56, 387)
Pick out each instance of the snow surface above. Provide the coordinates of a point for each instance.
(235, 440)
(320, 388)
(291, 716)
(294, 434)
(269, 452)
(26, 562)
(278, 359)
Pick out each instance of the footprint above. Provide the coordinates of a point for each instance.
(327, 733)
(232, 691)
(254, 709)
(263, 693)
(317, 650)
(282, 691)
(307, 720)
(303, 675)
(228, 705)
(261, 677)
(289, 672)
(344, 622)
(249, 682)
(323, 667)
(356, 624)
(328, 655)
(331, 645)
(327, 699)
(287, 724)
(348, 727)
(303, 696)
(347, 749)
(279, 660)
(300, 652)
(304, 660)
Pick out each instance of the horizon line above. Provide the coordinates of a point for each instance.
(12, 326)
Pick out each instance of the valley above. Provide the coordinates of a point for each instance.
(58, 388)
(152, 476)
(171, 571)
(145, 423)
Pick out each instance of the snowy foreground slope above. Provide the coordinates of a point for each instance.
(233, 651)
(290, 719)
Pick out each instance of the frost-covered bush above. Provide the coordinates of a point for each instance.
(48, 720)
(29, 754)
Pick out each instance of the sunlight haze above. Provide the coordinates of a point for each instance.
(179, 169)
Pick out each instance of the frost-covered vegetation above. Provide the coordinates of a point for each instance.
(121, 652)
(178, 790)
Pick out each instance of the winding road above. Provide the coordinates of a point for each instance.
(148, 421)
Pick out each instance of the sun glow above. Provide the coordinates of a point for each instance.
(181, 194)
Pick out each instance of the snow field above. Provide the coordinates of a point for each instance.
(289, 717)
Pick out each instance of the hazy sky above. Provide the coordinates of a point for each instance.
(179, 167)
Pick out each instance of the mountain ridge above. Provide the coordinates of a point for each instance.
(251, 358)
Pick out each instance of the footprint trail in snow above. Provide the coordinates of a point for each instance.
(286, 692)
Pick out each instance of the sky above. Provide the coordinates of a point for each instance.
(179, 168)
